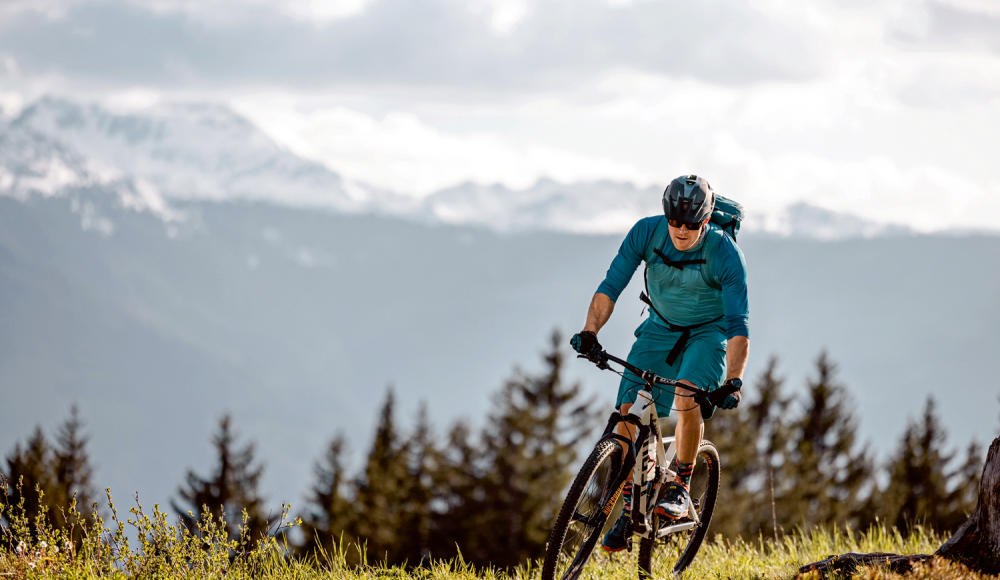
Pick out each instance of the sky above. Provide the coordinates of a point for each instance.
(886, 109)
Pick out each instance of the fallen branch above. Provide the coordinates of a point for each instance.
(976, 544)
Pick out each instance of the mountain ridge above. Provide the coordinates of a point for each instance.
(196, 151)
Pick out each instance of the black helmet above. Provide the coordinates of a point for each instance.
(688, 199)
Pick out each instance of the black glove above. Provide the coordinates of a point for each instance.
(732, 400)
(586, 343)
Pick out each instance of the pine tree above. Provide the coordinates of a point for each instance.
(528, 446)
(29, 471)
(921, 489)
(458, 496)
(423, 461)
(824, 479)
(73, 473)
(62, 473)
(751, 441)
(232, 487)
(329, 514)
(962, 499)
(381, 492)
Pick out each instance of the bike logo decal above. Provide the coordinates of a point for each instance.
(614, 498)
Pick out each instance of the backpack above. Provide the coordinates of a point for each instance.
(727, 215)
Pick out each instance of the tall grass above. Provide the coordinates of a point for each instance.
(161, 549)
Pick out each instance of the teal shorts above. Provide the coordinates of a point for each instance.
(703, 362)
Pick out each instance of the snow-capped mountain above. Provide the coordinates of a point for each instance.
(176, 152)
(185, 151)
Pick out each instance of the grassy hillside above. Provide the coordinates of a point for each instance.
(143, 545)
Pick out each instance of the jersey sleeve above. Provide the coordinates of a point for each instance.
(731, 271)
(628, 258)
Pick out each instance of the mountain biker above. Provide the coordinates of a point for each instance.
(697, 331)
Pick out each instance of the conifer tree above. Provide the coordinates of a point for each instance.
(62, 473)
(963, 498)
(232, 487)
(73, 473)
(528, 446)
(329, 514)
(458, 495)
(423, 461)
(824, 478)
(381, 491)
(751, 442)
(29, 470)
(921, 489)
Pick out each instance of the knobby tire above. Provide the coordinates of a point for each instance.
(604, 461)
(705, 488)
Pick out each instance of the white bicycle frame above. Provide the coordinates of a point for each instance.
(644, 470)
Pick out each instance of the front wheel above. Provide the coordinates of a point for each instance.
(581, 520)
(682, 546)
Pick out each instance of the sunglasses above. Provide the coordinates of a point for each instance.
(679, 223)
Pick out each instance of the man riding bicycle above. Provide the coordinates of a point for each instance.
(697, 331)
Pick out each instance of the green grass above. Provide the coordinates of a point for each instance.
(165, 550)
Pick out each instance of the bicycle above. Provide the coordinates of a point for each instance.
(593, 495)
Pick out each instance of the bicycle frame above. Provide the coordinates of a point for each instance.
(646, 476)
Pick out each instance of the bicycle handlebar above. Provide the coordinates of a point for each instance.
(701, 396)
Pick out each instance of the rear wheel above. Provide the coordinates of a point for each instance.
(680, 548)
(581, 520)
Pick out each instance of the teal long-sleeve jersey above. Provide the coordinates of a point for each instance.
(728, 264)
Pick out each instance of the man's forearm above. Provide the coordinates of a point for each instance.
(737, 352)
(601, 307)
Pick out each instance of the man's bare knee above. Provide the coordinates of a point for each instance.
(685, 404)
(625, 429)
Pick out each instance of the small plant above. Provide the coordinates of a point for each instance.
(157, 548)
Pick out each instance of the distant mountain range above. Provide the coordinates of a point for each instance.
(172, 152)
(149, 272)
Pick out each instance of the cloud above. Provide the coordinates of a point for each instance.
(957, 24)
(505, 45)
(401, 153)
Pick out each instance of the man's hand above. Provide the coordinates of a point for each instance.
(732, 401)
(586, 343)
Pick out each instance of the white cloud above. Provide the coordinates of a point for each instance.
(402, 153)
(230, 12)
(507, 13)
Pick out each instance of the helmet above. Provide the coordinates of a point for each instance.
(688, 199)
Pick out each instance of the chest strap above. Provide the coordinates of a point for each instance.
(679, 264)
(684, 330)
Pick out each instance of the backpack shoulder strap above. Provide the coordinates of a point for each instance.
(710, 248)
(656, 241)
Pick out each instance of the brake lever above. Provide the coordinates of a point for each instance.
(600, 361)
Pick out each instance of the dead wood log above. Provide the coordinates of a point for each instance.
(976, 544)
(848, 563)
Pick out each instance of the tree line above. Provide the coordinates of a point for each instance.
(491, 493)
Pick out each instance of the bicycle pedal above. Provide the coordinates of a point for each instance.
(639, 525)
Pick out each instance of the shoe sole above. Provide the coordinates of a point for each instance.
(612, 551)
(662, 512)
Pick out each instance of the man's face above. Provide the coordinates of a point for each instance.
(683, 238)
